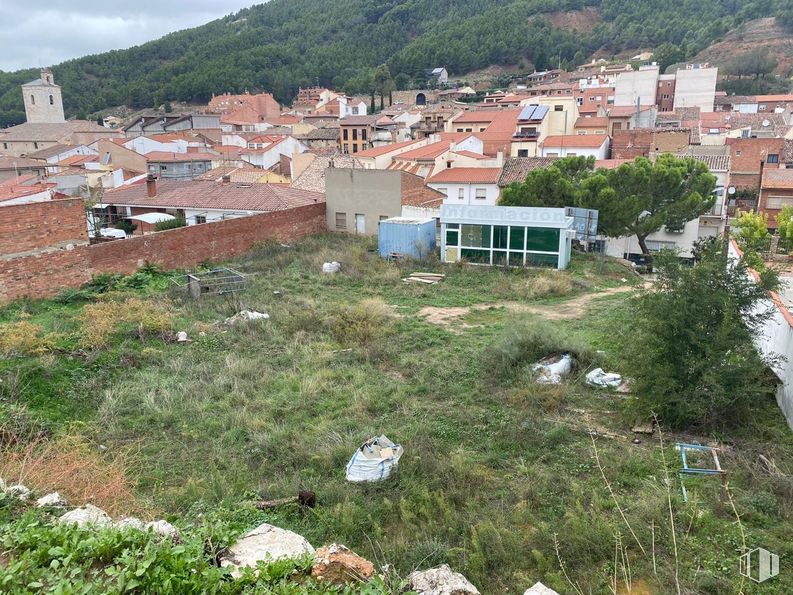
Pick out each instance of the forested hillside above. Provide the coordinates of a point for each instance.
(284, 44)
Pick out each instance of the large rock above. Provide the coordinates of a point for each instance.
(51, 499)
(131, 522)
(440, 581)
(165, 529)
(20, 491)
(264, 543)
(88, 515)
(338, 565)
(540, 589)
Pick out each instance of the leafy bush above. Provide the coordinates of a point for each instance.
(751, 231)
(692, 353)
(360, 324)
(170, 224)
(100, 321)
(522, 346)
(23, 338)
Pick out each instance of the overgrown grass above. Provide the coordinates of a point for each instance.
(494, 464)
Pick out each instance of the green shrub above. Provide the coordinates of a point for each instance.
(179, 221)
(525, 344)
(360, 324)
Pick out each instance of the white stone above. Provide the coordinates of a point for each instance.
(131, 522)
(164, 528)
(331, 267)
(441, 580)
(181, 337)
(51, 499)
(87, 515)
(540, 589)
(264, 543)
(18, 490)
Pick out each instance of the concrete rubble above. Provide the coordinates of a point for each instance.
(88, 515)
(338, 565)
(51, 499)
(441, 580)
(265, 542)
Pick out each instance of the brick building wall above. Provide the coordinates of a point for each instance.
(46, 274)
(629, 144)
(34, 226)
(745, 157)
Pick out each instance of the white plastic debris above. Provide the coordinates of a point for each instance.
(20, 491)
(552, 369)
(87, 515)
(600, 378)
(181, 337)
(51, 499)
(375, 460)
(331, 267)
(245, 316)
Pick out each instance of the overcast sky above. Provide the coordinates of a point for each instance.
(36, 33)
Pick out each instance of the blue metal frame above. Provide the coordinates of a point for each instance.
(686, 470)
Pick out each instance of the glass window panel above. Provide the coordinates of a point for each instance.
(500, 236)
(544, 239)
(542, 260)
(516, 259)
(517, 237)
(476, 236)
(500, 257)
(452, 226)
(478, 256)
(452, 237)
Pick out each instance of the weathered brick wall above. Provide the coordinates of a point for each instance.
(28, 227)
(46, 274)
(629, 144)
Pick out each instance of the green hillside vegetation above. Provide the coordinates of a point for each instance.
(284, 44)
(500, 476)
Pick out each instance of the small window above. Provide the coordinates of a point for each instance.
(460, 130)
(341, 221)
(363, 134)
(469, 129)
(344, 134)
(5, 145)
(199, 219)
(32, 99)
(481, 193)
(355, 148)
(52, 101)
(737, 153)
(346, 148)
(461, 193)
(163, 167)
(354, 134)
(773, 158)
(523, 152)
(558, 108)
(35, 145)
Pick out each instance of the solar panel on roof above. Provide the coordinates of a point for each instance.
(527, 112)
(540, 112)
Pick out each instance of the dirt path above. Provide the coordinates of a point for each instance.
(567, 310)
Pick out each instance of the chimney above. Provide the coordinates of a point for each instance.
(226, 179)
(151, 185)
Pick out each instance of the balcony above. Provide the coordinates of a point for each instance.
(530, 135)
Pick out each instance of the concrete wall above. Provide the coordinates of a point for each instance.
(371, 193)
(452, 192)
(776, 339)
(641, 84)
(696, 88)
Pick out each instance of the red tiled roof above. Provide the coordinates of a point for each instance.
(164, 156)
(582, 141)
(593, 122)
(385, 149)
(214, 195)
(470, 154)
(611, 163)
(625, 111)
(78, 160)
(426, 152)
(761, 98)
(466, 175)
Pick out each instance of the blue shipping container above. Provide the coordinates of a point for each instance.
(406, 237)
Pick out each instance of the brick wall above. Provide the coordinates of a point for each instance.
(33, 226)
(46, 274)
(629, 144)
(745, 157)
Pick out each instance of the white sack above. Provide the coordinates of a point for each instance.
(331, 267)
(374, 460)
(552, 370)
(600, 378)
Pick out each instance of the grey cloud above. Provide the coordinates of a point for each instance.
(45, 32)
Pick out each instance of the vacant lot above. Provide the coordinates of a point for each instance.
(499, 477)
